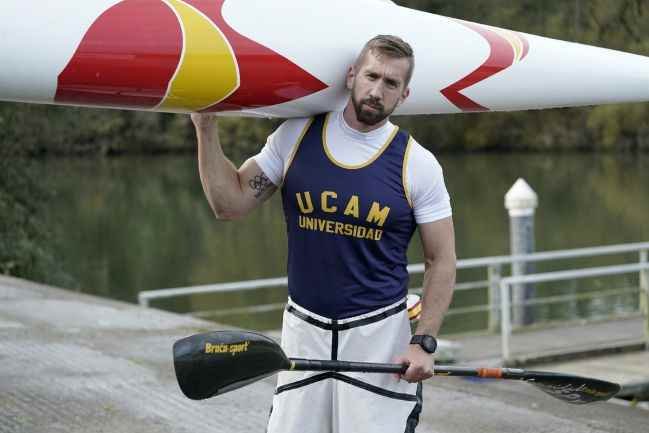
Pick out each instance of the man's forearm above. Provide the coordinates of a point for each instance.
(219, 176)
(439, 280)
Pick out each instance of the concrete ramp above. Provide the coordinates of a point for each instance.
(79, 364)
(73, 363)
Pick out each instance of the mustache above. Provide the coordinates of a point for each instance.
(372, 103)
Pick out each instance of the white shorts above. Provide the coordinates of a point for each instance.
(329, 402)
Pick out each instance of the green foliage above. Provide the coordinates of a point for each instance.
(38, 129)
(243, 137)
(22, 228)
(33, 130)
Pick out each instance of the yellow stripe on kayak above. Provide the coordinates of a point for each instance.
(514, 41)
(208, 72)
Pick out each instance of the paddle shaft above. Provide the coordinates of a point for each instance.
(299, 364)
(213, 363)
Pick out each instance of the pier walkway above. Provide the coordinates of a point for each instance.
(75, 363)
(612, 350)
(560, 342)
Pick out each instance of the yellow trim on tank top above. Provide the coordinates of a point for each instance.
(404, 176)
(296, 146)
(348, 166)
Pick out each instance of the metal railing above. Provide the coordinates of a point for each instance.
(495, 267)
(145, 297)
(506, 283)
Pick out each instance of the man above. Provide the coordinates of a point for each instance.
(354, 189)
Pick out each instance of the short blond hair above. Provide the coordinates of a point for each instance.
(391, 46)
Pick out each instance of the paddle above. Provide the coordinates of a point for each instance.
(214, 363)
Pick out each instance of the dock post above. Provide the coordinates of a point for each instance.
(505, 322)
(143, 300)
(494, 276)
(644, 294)
(521, 202)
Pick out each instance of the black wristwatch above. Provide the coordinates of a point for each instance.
(427, 342)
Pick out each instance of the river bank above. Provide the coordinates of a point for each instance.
(37, 130)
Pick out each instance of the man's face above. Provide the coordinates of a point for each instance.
(377, 86)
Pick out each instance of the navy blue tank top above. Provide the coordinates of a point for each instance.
(348, 227)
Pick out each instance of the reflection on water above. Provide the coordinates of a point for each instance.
(139, 223)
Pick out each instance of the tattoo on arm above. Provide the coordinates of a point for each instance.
(259, 184)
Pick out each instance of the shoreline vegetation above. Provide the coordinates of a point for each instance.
(32, 131)
(39, 130)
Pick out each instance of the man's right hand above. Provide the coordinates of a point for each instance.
(205, 122)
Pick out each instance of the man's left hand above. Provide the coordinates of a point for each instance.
(420, 364)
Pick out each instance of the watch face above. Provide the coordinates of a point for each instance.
(429, 343)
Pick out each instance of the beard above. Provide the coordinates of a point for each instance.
(369, 111)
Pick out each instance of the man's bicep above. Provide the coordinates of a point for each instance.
(255, 185)
(438, 239)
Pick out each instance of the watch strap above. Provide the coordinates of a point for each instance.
(427, 342)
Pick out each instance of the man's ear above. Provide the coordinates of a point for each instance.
(349, 80)
(403, 96)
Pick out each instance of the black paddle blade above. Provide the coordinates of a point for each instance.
(217, 362)
(572, 389)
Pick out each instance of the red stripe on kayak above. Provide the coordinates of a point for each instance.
(526, 45)
(126, 58)
(501, 57)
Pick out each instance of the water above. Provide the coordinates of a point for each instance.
(140, 223)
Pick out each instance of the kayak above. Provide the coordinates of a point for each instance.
(288, 58)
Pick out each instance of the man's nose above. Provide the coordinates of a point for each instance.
(376, 91)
